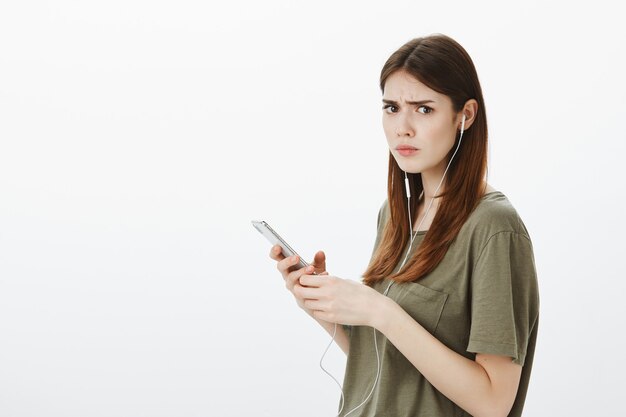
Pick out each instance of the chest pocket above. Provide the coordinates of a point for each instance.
(424, 304)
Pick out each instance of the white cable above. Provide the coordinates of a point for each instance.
(378, 369)
(378, 364)
(323, 369)
(435, 193)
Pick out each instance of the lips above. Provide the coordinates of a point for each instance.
(407, 151)
(406, 147)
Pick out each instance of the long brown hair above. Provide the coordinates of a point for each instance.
(442, 64)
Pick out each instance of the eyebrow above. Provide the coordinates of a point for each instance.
(409, 102)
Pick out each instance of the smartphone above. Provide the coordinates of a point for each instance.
(275, 239)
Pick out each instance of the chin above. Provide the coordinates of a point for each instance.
(409, 168)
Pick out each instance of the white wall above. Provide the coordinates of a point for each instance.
(139, 138)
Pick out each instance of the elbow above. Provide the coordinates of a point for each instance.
(497, 415)
(495, 410)
(499, 401)
(490, 413)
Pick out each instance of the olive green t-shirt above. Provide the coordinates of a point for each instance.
(482, 298)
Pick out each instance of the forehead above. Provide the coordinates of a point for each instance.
(402, 86)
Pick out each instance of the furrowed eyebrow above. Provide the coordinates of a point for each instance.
(415, 103)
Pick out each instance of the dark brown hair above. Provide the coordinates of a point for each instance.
(443, 65)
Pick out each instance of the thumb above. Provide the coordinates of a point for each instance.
(319, 261)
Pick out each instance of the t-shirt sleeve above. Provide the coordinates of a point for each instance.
(504, 297)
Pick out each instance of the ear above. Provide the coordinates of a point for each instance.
(470, 109)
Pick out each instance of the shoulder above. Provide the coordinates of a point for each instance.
(495, 214)
(383, 212)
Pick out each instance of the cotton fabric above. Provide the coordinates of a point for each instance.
(482, 298)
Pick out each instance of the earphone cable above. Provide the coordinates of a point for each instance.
(378, 369)
(328, 373)
(411, 237)
(431, 201)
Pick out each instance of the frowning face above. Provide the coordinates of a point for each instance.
(416, 116)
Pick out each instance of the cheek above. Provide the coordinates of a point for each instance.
(439, 126)
(444, 140)
(441, 132)
(436, 138)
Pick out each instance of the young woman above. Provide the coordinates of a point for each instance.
(445, 320)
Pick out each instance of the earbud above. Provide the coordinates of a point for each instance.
(411, 238)
(406, 185)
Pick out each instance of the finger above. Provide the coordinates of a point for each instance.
(319, 261)
(294, 276)
(305, 293)
(284, 265)
(312, 280)
(276, 253)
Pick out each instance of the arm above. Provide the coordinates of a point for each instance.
(484, 388)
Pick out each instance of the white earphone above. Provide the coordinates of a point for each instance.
(408, 196)
(406, 179)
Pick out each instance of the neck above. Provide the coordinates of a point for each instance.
(430, 182)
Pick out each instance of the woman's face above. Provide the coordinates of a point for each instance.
(417, 116)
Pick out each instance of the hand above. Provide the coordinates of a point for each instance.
(339, 300)
(286, 266)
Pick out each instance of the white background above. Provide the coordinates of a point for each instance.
(139, 138)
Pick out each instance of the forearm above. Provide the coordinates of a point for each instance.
(341, 338)
(462, 380)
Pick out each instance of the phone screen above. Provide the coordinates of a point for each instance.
(275, 239)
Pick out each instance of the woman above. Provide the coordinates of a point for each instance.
(445, 320)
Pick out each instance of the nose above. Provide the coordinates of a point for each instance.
(404, 128)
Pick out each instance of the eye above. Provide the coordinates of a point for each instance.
(426, 108)
(390, 106)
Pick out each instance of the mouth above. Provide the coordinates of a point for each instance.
(407, 151)
(406, 148)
